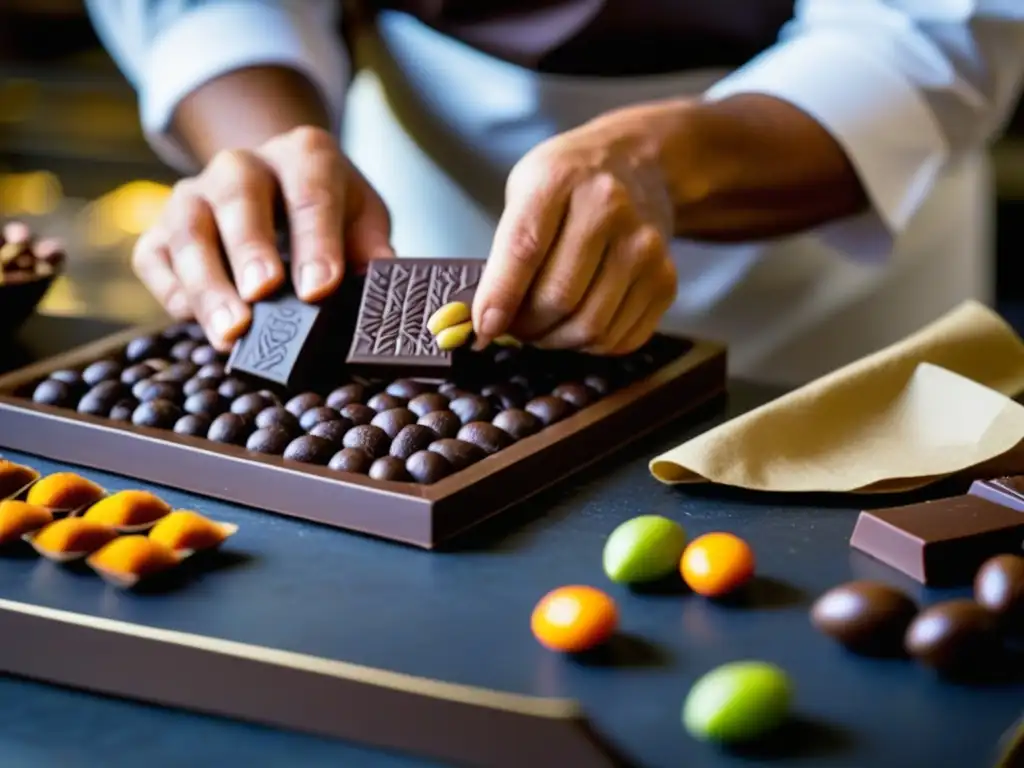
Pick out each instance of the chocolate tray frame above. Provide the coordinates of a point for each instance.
(421, 515)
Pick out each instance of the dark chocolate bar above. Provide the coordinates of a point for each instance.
(941, 542)
(272, 349)
(399, 296)
(1006, 491)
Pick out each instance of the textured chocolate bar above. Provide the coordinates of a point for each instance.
(272, 349)
(1005, 491)
(399, 296)
(941, 542)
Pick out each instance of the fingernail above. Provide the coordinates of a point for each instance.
(253, 277)
(222, 321)
(493, 322)
(312, 278)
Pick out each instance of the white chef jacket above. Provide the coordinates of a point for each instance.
(912, 89)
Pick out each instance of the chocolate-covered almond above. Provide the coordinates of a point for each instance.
(314, 416)
(450, 389)
(332, 431)
(156, 390)
(345, 395)
(601, 385)
(229, 428)
(549, 409)
(101, 370)
(443, 423)
(212, 371)
(123, 409)
(250, 404)
(53, 392)
(458, 453)
(394, 420)
(389, 468)
(204, 354)
(351, 460)
(143, 348)
(575, 394)
(407, 389)
(133, 374)
(382, 401)
(428, 402)
(309, 449)
(999, 587)
(270, 440)
(867, 617)
(517, 423)
(485, 436)
(369, 438)
(303, 402)
(198, 384)
(358, 413)
(426, 467)
(957, 638)
(278, 416)
(411, 438)
(206, 402)
(158, 414)
(100, 399)
(233, 387)
(68, 376)
(193, 425)
(177, 373)
(471, 408)
(505, 395)
(182, 350)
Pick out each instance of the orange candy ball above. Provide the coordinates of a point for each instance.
(716, 564)
(574, 619)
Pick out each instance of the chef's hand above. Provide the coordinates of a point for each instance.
(580, 258)
(335, 217)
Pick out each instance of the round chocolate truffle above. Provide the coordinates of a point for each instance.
(157, 390)
(471, 408)
(53, 392)
(101, 370)
(505, 395)
(123, 409)
(206, 402)
(382, 401)
(576, 395)
(369, 438)
(351, 460)
(72, 378)
(212, 371)
(314, 416)
(428, 402)
(183, 350)
(250, 404)
(178, 373)
(309, 449)
(303, 402)
(204, 355)
(411, 438)
(426, 467)
(443, 423)
(198, 384)
(549, 409)
(232, 388)
(459, 453)
(193, 425)
(358, 413)
(100, 399)
(332, 431)
(407, 389)
(142, 348)
(270, 440)
(278, 416)
(867, 617)
(342, 396)
(159, 414)
(389, 468)
(517, 423)
(229, 428)
(485, 436)
(394, 420)
(999, 587)
(956, 638)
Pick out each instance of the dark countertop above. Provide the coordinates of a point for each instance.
(464, 616)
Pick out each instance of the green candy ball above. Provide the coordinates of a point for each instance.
(645, 548)
(738, 702)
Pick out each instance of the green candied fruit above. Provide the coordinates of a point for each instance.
(645, 548)
(738, 702)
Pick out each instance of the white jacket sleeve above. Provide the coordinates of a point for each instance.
(905, 86)
(169, 48)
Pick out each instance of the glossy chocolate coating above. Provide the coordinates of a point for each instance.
(382, 402)
(204, 355)
(177, 373)
(71, 378)
(485, 436)
(427, 467)
(549, 409)
(193, 425)
(956, 637)
(344, 395)
(278, 416)
(232, 387)
(212, 371)
(865, 616)
(394, 420)
(250, 404)
(182, 350)
(100, 399)
(443, 423)
(576, 395)
(407, 389)
(369, 438)
(389, 468)
(198, 384)
(411, 438)
(314, 416)
(157, 390)
(351, 460)
(428, 402)
(459, 453)
(999, 587)
(133, 374)
(123, 409)
(332, 431)
(101, 370)
(303, 402)
(471, 408)
(53, 392)
(517, 423)
(270, 440)
(229, 428)
(206, 402)
(358, 413)
(158, 414)
(143, 348)
(599, 384)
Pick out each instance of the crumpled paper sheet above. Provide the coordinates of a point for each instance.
(934, 404)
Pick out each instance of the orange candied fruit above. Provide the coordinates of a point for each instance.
(574, 619)
(19, 517)
(128, 508)
(73, 534)
(184, 529)
(14, 477)
(64, 490)
(716, 564)
(136, 555)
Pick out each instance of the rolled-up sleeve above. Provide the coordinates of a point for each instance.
(906, 87)
(169, 48)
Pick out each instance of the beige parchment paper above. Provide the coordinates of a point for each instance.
(934, 404)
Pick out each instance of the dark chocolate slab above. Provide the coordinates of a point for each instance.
(941, 542)
(272, 349)
(1006, 491)
(399, 296)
